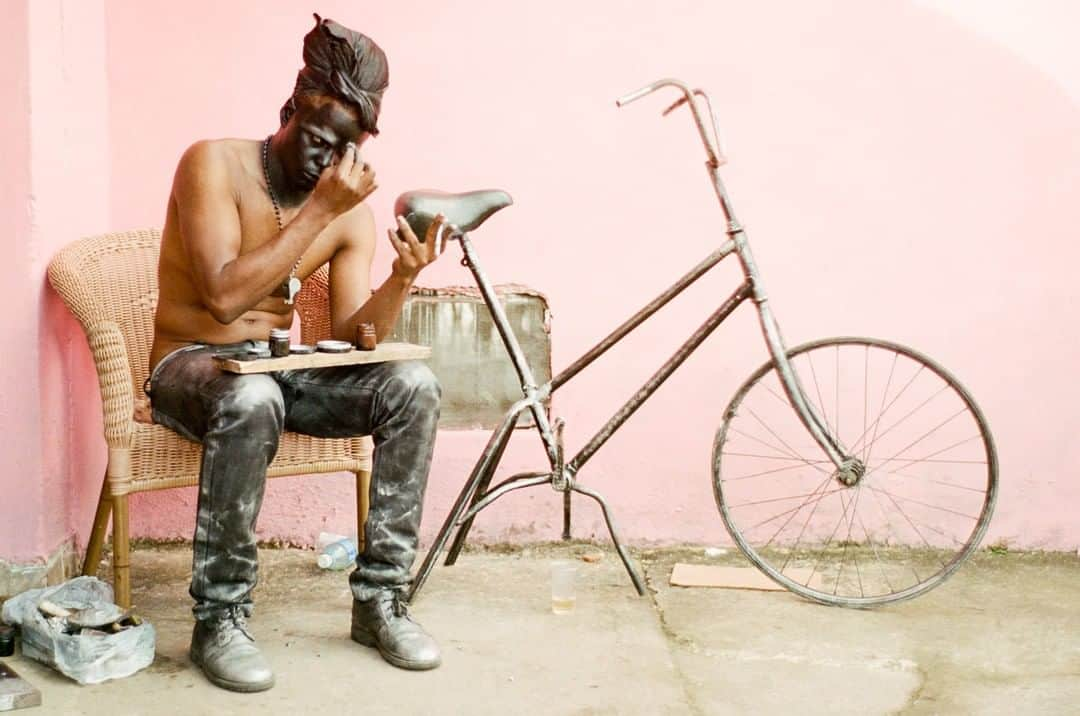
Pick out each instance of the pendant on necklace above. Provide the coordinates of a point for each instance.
(290, 288)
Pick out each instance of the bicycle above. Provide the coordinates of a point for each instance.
(783, 455)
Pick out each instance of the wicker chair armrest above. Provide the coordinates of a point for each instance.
(114, 379)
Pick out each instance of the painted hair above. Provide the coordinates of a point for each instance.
(343, 64)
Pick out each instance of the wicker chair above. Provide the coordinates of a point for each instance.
(110, 283)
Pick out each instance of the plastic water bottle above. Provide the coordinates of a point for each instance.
(326, 538)
(338, 555)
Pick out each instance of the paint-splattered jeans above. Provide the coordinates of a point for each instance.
(239, 419)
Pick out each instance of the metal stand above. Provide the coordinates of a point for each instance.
(476, 495)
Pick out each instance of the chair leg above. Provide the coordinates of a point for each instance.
(97, 532)
(363, 501)
(121, 552)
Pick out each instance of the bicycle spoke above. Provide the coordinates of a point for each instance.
(782, 442)
(773, 457)
(886, 408)
(782, 454)
(888, 526)
(817, 389)
(771, 499)
(947, 462)
(927, 458)
(847, 542)
(765, 472)
(881, 409)
(924, 504)
(866, 387)
(775, 534)
(930, 432)
(877, 556)
(920, 478)
(783, 399)
(827, 543)
(795, 509)
(798, 539)
(836, 398)
(937, 530)
(877, 423)
(870, 445)
(892, 499)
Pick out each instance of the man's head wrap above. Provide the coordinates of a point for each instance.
(343, 64)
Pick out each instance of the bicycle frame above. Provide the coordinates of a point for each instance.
(561, 477)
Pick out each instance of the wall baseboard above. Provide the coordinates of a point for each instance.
(61, 565)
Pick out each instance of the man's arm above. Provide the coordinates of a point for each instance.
(231, 283)
(350, 276)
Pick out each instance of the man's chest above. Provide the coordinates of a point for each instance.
(259, 225)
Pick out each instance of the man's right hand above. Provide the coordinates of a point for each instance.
(345, 184)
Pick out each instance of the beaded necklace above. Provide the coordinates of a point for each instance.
(290, 286)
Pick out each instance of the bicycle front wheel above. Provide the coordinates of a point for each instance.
(902, 527)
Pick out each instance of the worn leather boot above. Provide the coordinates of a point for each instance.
(225, 650)
(384, 623)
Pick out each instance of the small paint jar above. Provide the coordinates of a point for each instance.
(365, 337)
(279, 342)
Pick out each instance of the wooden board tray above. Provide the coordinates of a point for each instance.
(382, 353)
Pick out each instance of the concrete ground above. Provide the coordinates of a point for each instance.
(1002, 636)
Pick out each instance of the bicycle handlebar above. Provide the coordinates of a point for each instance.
(713, 148)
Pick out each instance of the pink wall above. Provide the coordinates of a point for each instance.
(903, 173)
(55, 176)
(18, 398)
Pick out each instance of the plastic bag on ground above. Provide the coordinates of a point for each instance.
(89, 656)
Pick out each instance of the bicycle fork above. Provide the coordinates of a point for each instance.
(849, 469)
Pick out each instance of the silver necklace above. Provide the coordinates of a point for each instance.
(290, 286)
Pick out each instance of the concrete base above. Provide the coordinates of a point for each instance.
(61, 565)
(999, 637)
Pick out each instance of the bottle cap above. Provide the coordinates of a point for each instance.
(324, 561)
(279, 333)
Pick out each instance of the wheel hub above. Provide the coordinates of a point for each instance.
(851, 472)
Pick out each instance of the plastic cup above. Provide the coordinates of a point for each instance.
(563, 586)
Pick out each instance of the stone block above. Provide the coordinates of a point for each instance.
(468, 356)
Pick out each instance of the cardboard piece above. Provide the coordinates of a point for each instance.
(382, 353)
(712, 575)
(15, 691)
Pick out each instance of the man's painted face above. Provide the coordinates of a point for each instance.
(316, 137)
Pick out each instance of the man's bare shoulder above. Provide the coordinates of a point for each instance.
(355, 228)
(214, 160)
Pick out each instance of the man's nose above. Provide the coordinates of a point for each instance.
(324, 158)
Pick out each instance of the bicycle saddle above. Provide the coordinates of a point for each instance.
(465, 211)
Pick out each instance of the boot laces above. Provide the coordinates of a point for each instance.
(399, 605)
(393, 604)
(234, 619)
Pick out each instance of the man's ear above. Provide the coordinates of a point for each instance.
(287, 110)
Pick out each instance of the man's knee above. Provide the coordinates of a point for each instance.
(415, 384)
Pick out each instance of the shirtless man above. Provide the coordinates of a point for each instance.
(245, 218)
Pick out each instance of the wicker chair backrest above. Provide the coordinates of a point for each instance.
(113, 278)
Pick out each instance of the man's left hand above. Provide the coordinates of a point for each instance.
(413, 254)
